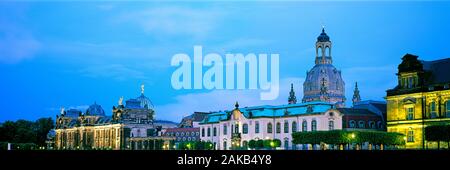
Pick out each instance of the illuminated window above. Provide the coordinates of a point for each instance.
(410, 113)
(278, 127)
(294, 126)
(313, 125)
(410, 135)
(361, 124)
(286, 127)
(256, 127)
(372, 125)
(245, 128)
(224, 129)
(269, 127)
(304, 126)
(433, 110)
(352, 124)
(330, 125)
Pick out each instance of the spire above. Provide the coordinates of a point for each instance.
(356, 96)
(292, 99)
(236, 105)
(142, 88)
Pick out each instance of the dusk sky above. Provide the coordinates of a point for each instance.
(72, 54)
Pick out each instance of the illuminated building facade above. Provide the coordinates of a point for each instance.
(131, 126)
(421, 99)
(235, 128)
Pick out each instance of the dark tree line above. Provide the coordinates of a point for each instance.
(438, 133)
(25, 131)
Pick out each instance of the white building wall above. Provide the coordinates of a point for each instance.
(321, 119)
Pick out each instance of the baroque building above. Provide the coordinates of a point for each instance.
(420, 99)
(324, 82)
(235, 128)
(131, 126)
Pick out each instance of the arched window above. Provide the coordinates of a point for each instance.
(447, 106)
(304, 126)
(286, 144)
(410, 135)
(410, 113)
(225, 129)
(209, 132)
(215, 131)
(352, 124)
(313, 125)
(245, 128)
(330, 125)
(294, 126)
(372, 125)
(182, 133)
(433, 110)
(225, 145)
(269, 127)
(361, 124)
(203, 132)
(286, 127)
(236, 128)
(256, 127)
(278, 127)
(380, 126)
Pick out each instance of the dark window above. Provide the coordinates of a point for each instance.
(245, 128)
(278, 127)
(215, 131)
(209, 132)
(304, 126)
(224, 129)
(433, 110)
(352, 124)
(294, 126)
(257, 127)
(286, 127)
(314, 125)
(203, 132)
(361, 124)
(330, 125)
(269, 127)
(410, 135)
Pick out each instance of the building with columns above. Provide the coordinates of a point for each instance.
(131, 126)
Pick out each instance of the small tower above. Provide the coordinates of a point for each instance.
(356, 97)
(292, 99)
(323, 49)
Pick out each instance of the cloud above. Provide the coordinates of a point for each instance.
(115, 71)
(16, 43)
(173, 20)
(224, 100)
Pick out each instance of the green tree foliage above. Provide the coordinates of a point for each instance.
(195, 145)
(26, 132)
(344, 137)
(438, 133)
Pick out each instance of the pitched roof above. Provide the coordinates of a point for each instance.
(440, 71)
(353, 111)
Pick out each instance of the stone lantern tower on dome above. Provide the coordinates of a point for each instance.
(324, 82)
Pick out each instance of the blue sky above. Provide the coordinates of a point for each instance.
(72, 54)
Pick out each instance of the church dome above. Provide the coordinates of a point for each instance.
(323, 37)
(145, 102)
(324, 80)
(95, 110)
